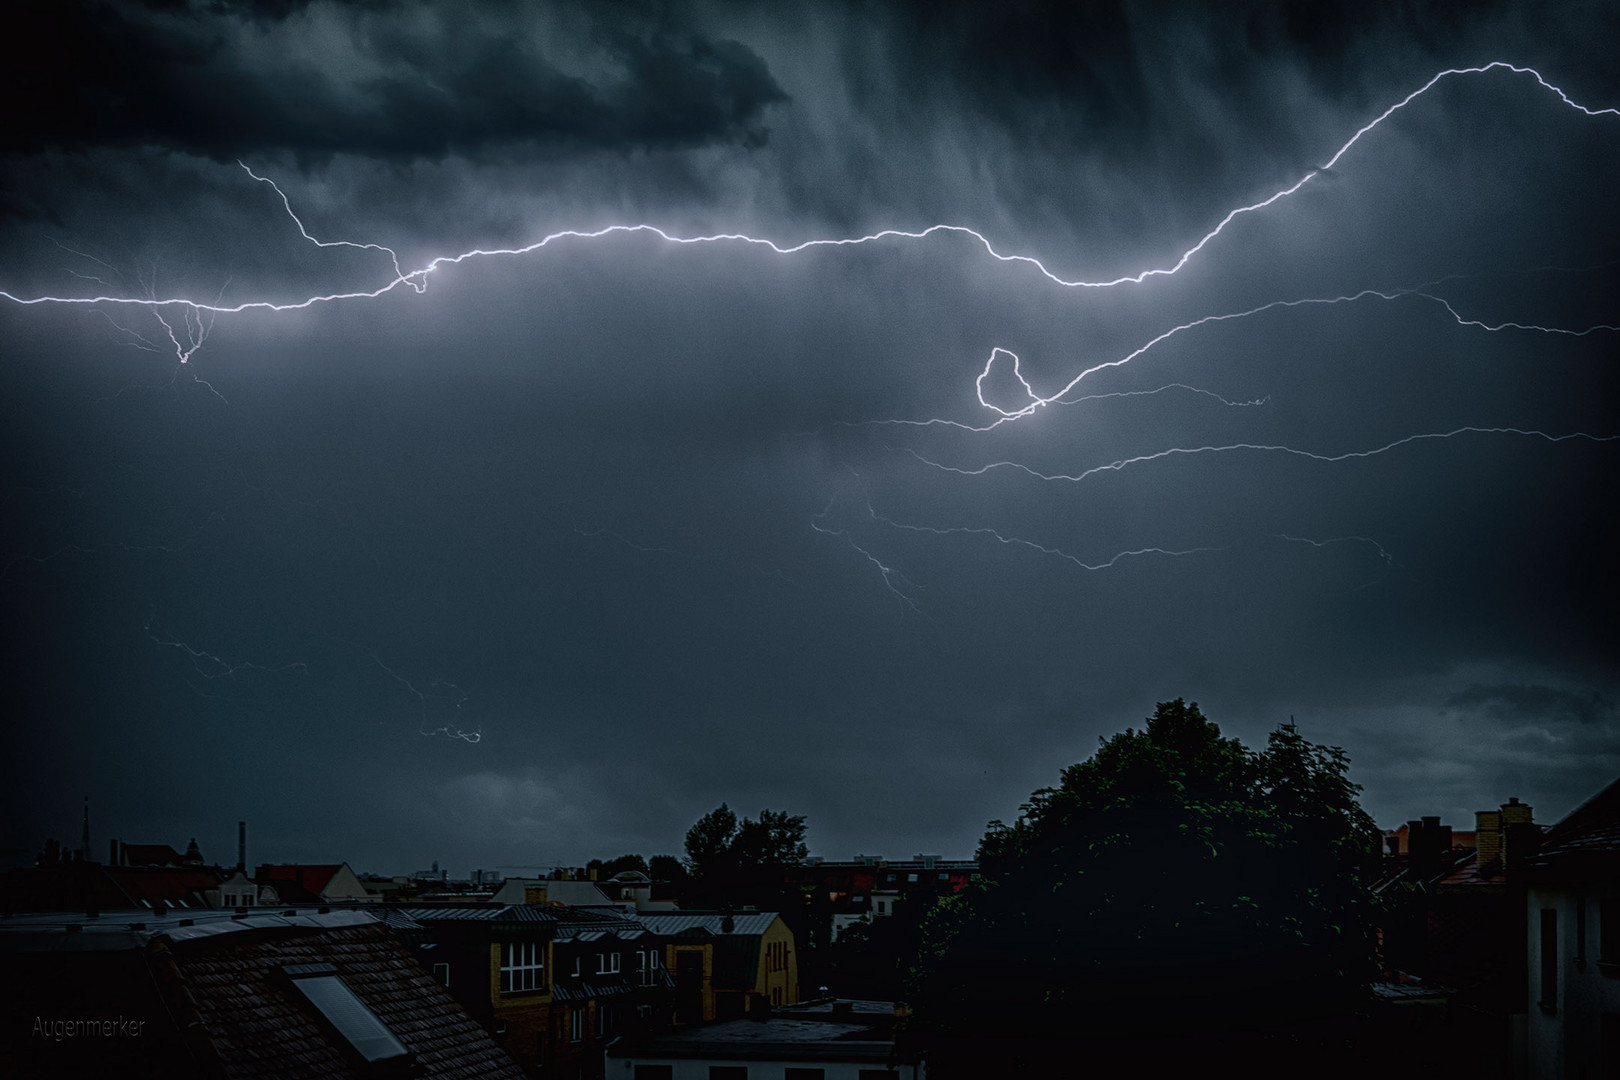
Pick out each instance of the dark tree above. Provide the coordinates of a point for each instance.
(744, 863)
(666, 868)
(708, 842)
(621, 864)
(1177, 890)
(774, 842)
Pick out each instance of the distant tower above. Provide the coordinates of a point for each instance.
(86, 842)
(241, 846)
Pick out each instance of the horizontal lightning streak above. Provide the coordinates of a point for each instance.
(211, 667)
(1036, 401)
(111, 545)
(1117, 466)
(1382, 554)
(1014, 541)
(416, 279)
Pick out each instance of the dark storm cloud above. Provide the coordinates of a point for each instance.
(1531, 702)
(404, 83)
(615, 505)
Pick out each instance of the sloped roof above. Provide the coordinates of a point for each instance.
(149, 855)
(506, 913)
(169, 884)
(1586, 842)
(743, 923)
(254, 1025)
(1592, 826)
(299, 881)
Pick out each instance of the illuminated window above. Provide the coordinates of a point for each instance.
(523, 966)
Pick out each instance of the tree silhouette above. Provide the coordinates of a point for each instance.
(1176, 889)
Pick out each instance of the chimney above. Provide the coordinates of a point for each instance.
(1488, 836)
(112, 853)
(1520, 835)
(241, 846)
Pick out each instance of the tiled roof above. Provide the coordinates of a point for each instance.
(255, 1026)
(1591, 828)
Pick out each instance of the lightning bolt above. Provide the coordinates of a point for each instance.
(417, 279)
(1013, 541)
(212, 667)
(96, 549)
(187, 323)
(888, 573)
(1124, 463)
(632, 545)
(416, 283)
(1384, 556)
(448, 730)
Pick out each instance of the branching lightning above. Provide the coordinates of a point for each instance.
(187, 323)
(416, 279)
(457, 699)
(892, 579)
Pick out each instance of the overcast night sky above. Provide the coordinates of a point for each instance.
(536, 558)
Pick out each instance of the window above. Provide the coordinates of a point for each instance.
(604, 1019)
(728, 1072)
(607, 963)
(576, 1024)
(911, 878)
(1549, 959)
(333, 999)
(655, 1072)
(523, 966)
(804, 1074)
(576, 967)
(1609, 929)
(441, 974)
(646, 966)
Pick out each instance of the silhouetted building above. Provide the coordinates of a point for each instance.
(1573, 942)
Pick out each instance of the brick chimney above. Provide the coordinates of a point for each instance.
(1488, 837)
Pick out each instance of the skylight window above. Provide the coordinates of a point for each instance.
(351, 1018)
